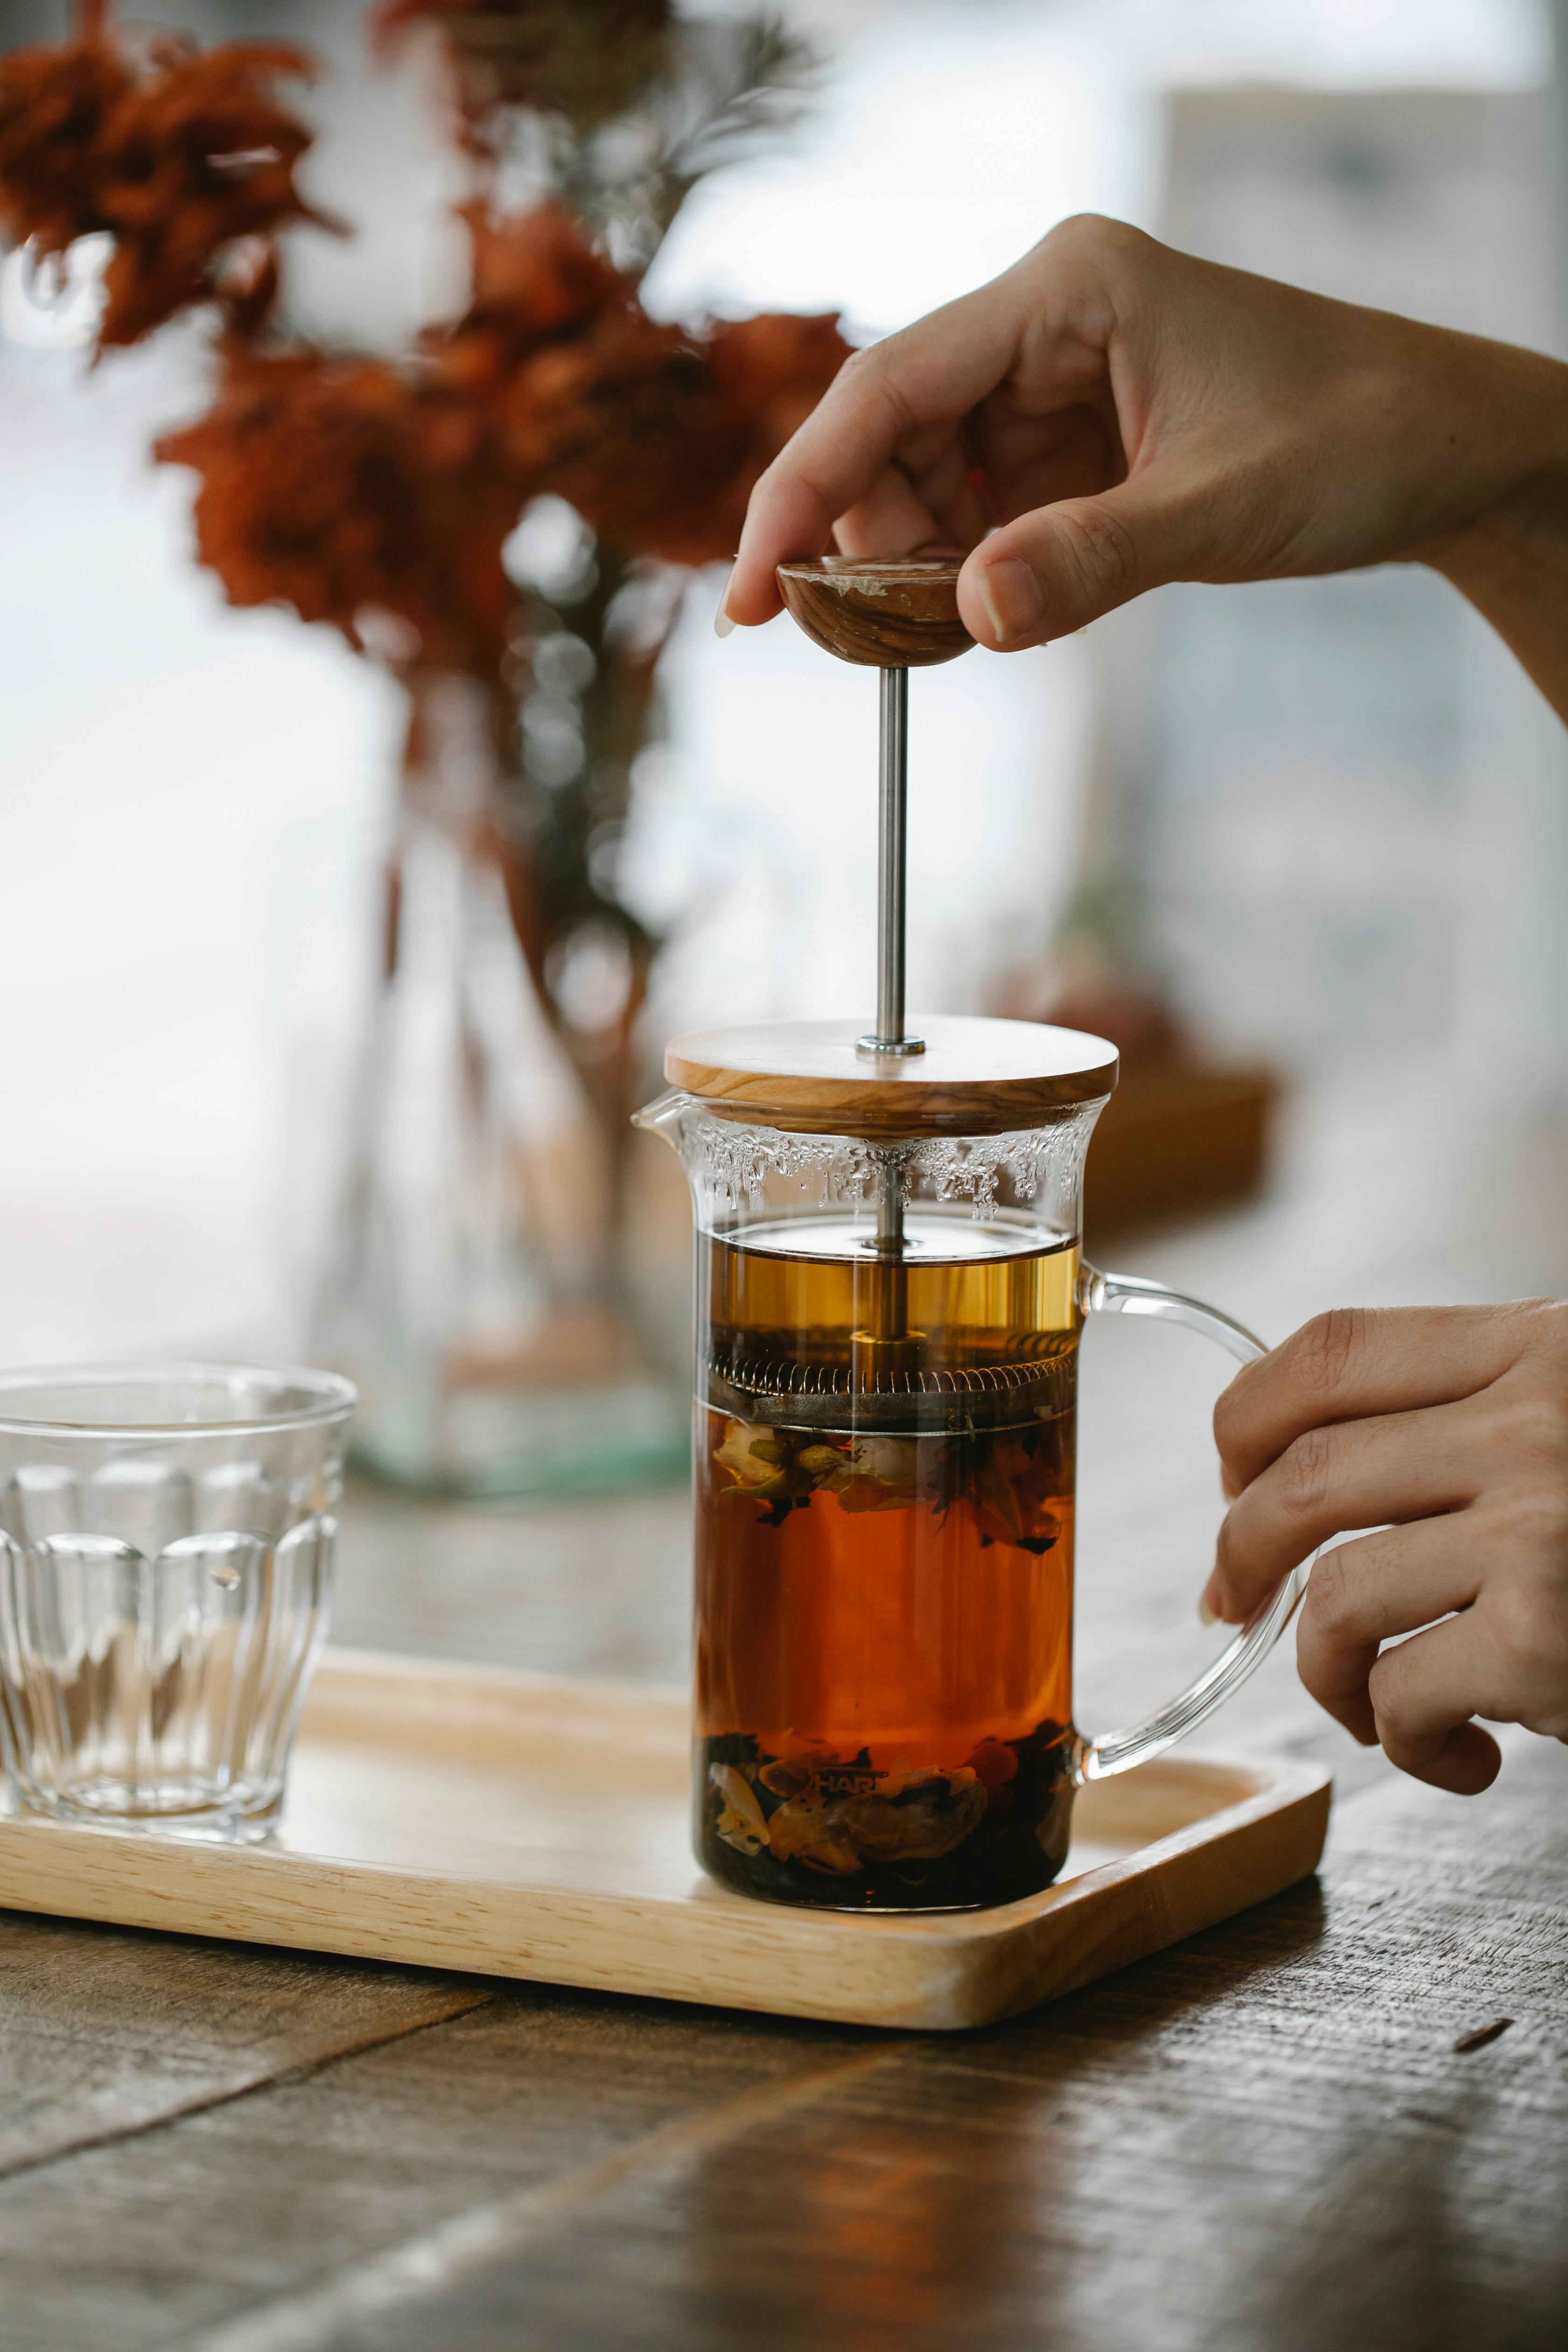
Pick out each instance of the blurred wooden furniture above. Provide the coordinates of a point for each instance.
(1308, 2129)
(1175, 1138)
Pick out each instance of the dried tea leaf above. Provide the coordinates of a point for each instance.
(929, 1820)
(751, 1468)
(741, 1823)
(1482, 2034)
(815, 1836)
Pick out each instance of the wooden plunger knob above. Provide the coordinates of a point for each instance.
(884, 612)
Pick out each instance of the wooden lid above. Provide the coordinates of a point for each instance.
(976, 1077)
(884, 612)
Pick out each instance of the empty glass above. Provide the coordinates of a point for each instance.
(166, 1537)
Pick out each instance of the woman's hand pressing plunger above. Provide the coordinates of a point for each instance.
(1450, 1424)
(1109, 415)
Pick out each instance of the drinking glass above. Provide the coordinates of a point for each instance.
(166, 1536)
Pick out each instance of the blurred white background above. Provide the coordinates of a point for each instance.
(1342, 814)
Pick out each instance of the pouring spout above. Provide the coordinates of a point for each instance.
(662, 1115)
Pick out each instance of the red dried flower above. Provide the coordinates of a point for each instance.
(336, 486)
(339, 485)
(199, 156)
(654, 435)
(181, 163)
(623, 423)
(534, 274)
(55, 104)
(772, 370)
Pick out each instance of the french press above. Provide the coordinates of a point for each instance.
(890, 1296)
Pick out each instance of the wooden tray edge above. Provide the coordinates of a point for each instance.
(954, 1974)
(1167, 1892)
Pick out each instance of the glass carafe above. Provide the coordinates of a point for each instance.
(888, 1323)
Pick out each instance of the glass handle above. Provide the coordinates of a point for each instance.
(1136, 1743)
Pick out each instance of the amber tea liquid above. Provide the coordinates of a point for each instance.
(885, 1442)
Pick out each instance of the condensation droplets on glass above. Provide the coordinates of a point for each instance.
(737, 1167)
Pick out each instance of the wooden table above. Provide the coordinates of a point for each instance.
(1293, 2131)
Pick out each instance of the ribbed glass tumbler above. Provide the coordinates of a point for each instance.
(166, 1536)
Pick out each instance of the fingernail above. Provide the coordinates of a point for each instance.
(723, 624)
(1014, 603)
(1207, 1616)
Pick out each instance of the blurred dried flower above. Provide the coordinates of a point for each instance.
(338, 485)
(55, 105)
(200, 156)
(772, 370)
(655, 436)
(189, 162)
(376, 495)
(342, 486)
(621, 420)
(585, 62)
(652, 438)
(534, 274)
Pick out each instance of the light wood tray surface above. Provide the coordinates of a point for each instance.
(523, 1826)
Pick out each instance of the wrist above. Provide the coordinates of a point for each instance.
(1511, 540)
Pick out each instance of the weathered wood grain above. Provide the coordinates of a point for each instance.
(105, 2031)
(1267, 2140)
(139, 2245)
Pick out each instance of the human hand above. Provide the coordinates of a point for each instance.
(1115, 415)
(1452, 1424)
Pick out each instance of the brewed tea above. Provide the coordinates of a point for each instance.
(884, 1556)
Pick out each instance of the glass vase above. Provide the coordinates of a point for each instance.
(484, 1292)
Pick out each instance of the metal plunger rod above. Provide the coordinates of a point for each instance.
(892, 615)
(890, 1036)
(891, 856)
(891, 862)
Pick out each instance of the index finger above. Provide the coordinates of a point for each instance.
(1356, 1362)
(931, 373)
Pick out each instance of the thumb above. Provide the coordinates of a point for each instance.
(1054, 571)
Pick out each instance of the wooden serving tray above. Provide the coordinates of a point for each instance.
(523, 1826)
